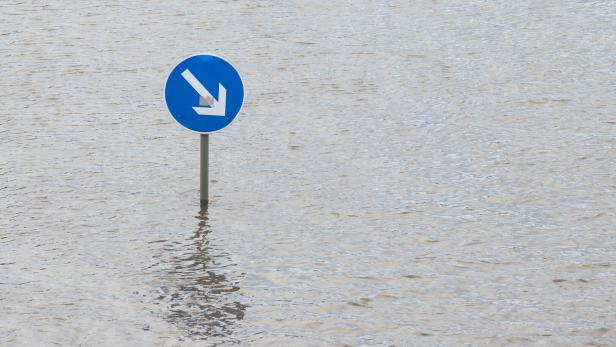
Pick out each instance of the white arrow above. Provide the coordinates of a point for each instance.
(217, 107)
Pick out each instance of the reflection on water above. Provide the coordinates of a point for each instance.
(197, 288)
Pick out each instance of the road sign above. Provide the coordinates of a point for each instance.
(204, 93)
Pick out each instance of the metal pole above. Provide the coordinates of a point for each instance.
(205, 144)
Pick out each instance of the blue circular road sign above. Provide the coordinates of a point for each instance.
(204, 93)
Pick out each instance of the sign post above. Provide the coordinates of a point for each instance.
(204, 93)
(205, 152)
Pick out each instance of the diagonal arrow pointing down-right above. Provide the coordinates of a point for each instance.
(217, 107)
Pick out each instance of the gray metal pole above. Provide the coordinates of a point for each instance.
(205, 144)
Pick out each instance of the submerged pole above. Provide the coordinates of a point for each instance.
(205, 144)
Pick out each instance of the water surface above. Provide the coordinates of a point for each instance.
(403, 173)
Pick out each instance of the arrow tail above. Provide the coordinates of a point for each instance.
(194, 82)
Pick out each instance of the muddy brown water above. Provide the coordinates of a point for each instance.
(403, 173)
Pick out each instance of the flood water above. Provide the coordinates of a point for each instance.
(403, 173)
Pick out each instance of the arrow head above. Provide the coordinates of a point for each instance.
(217, 107)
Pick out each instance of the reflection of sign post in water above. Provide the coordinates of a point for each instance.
(204, 93)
